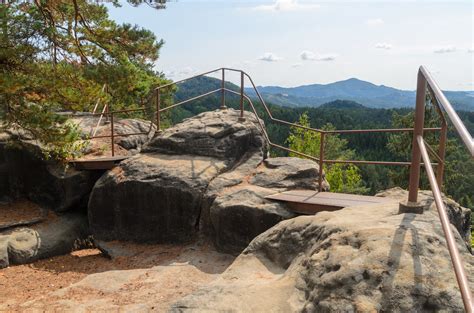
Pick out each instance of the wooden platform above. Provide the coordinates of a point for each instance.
(99, 163)
(311, 201)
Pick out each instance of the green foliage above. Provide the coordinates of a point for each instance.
(56, 56)
(459, 182)
(342, 178)
(459, 167)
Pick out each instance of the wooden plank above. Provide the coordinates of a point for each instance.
(114, 159)
(311, 202)
(98, 164)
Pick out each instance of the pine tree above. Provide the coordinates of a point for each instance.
(56, 55)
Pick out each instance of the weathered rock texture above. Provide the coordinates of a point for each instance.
(459, 216)
(216, 134)
(26, 174)
(151, 197)
(235, 210)
(207, 171)
(362, 259)
(56, 236)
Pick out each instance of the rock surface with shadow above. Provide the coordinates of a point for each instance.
(151, 197)
(236, 211)
(459, 216)
(358, 259)
(56, 235)
(157, 195)
(218, 134)
(25, 173)
(208, 174)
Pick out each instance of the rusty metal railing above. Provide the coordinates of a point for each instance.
(425, 82)
(323, 133)
(421, 150)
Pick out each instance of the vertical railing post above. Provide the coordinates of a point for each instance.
(418, 131)
(223, 107)
(112, 133)
(241, 118)
(158, 109)
(321, 162)
(443, 138)
(106, 104)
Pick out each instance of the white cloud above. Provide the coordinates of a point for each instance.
(287, 5)
(383, 45)
(446, 49)
(374, 21)
(311, 56)
(180, 73)
(308, 55)
(269, 57)
(327, 57)
(296, 65)
(471, 50)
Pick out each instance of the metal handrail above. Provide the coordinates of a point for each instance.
(322, 132)
(453, 116)
(426, 83)
(461, 276)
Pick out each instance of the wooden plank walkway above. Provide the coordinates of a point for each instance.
(311, 201)
(105, 163)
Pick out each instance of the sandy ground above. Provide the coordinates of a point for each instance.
(19, 210)
(151, 276)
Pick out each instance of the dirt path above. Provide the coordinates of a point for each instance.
(147, 277)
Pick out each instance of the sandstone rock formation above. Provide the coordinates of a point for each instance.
(217, 134)
(207, 171)
(459, 216)
(59, 235)
(237, 210)
(363, 259)
(151, 197)
(52, 185)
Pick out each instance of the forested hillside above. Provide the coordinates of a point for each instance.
(351, 115)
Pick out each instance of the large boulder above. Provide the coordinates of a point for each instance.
(236, 211)
(57, 236)
(288, 173)
(209, 173)
(367, 259)
(27, 174)
(219, 134)
(158, 195)
(151, 197)
(240, 214)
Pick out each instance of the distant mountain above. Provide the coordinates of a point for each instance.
(354, 89)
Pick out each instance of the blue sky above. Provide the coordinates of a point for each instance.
(291, 43)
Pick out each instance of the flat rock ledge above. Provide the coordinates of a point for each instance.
(208, 174)
(358, 259)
